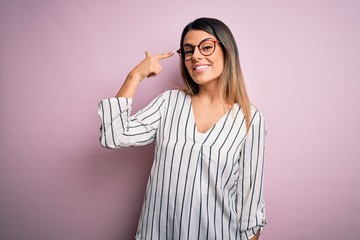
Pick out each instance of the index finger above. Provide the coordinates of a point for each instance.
(164, 55)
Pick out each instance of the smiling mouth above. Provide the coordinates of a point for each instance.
(202, 67)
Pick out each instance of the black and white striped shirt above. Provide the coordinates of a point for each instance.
(202, 185)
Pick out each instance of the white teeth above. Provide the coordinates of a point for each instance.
(201, 67)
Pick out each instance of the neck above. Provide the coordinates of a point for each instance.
(210, 93)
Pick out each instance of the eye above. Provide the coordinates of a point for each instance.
(188, 51)
(207, 47)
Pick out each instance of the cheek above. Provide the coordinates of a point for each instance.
(188, 68)
(218, 65)
(220, 59)
(221, 64)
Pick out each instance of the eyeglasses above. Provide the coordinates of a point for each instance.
(206, 48)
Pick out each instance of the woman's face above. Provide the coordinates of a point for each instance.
(204, 70)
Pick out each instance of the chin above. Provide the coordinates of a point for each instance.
(203, 80)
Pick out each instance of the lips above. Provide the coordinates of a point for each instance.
(201, 67)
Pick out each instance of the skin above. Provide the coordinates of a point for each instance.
(256, 237)
(208, 105)
(149, 67)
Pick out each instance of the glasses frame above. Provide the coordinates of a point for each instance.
(181, 50)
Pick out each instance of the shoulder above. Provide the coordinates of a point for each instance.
(255, 111)
(173, 94)
(257, 117)
(169, 98)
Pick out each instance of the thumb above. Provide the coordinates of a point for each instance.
(147, 54)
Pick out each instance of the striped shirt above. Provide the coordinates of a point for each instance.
(201, 185)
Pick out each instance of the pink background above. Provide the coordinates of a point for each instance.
(58, 59)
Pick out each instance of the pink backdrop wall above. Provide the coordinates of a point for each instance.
(58, 59)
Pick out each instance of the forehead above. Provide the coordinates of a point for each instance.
(194, 37)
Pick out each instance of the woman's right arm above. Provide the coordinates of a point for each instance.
(149, 67)
(118, 127)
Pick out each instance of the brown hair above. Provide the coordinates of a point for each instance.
(232, 83)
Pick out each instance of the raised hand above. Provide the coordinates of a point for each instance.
(149, 67)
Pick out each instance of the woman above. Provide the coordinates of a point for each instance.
(206, 181)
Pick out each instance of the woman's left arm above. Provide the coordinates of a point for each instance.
(251, 204)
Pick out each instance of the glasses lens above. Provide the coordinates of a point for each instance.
(187, 52)
(207, 48)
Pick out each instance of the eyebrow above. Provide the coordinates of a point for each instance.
(191, 45)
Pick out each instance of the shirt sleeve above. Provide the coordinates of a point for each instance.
(251, 206)
(120, 129)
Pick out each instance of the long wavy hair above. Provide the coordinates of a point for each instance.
(231, 82)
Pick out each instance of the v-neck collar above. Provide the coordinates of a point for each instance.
(202, 136)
